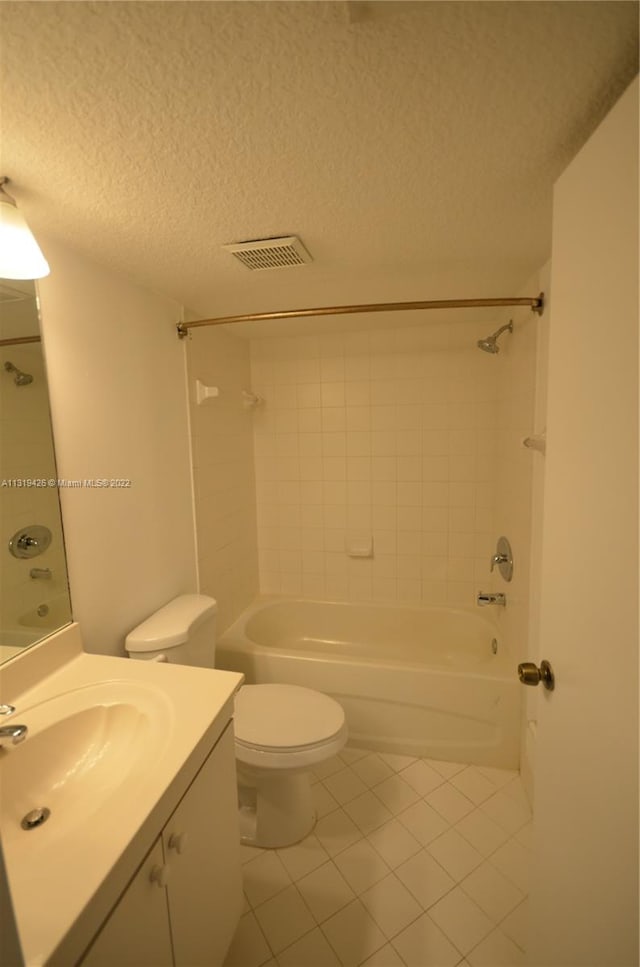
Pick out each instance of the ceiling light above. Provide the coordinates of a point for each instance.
(20, 255)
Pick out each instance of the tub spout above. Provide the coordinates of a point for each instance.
(484, 598)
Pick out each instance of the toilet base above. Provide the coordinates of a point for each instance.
(275, 807)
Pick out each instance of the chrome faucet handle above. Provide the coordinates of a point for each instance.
(17, 733)
(503, 557)
(7, 709)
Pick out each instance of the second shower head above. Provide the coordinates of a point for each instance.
(19, 378)
(490, 344)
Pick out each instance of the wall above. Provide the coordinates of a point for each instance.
(384, 433)
(518, 491)
(222, 451)
(116, 377)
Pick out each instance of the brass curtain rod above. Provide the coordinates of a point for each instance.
(536, 304)
(19, 340)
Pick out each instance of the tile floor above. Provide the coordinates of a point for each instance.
(412, 862)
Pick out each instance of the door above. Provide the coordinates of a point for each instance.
(584, 892)
(202, 848)
(137, 931)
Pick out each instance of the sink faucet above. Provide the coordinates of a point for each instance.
(17, 733)
(485, 597)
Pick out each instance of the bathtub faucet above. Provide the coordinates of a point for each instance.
(485, 598)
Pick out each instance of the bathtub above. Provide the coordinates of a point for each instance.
(414, 681)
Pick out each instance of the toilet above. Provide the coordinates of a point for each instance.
(281, 731)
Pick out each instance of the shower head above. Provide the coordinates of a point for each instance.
(20, 378)
(490, 344)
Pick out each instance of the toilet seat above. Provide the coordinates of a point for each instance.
(287, 726)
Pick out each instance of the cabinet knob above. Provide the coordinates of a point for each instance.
(178, 842)
(159, 875)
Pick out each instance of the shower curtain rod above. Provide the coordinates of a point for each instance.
(19, 340)
(536, 304)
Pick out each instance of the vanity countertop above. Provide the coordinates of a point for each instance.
(113, 745)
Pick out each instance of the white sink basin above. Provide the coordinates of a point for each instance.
(112, 746)
(86, 751)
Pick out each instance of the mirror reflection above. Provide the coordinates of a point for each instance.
(34, 588)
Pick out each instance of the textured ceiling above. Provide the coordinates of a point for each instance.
(412, 146)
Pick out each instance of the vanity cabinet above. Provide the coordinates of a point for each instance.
(182, 907)
(137, 933)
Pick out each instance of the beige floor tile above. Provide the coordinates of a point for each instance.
(391, 905)
(394, 843)
(461, 920)
(284, 919)
(303, 857)
(361, 865)
(325, 891)
(248, 947)
(423, 944)
(496, 950)
(426, 879)
(263, 877)
(353, 934)
(312, 950)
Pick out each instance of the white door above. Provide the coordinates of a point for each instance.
(202, 847)
(584, 896)
(136, 933)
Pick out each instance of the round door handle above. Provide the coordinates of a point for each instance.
(178, 842)
(159, 875)
(530, 674)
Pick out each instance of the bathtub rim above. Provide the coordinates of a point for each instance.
(235, 636)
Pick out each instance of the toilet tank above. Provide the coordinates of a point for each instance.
(184, 631)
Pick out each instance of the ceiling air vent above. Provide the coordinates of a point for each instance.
(270, 253)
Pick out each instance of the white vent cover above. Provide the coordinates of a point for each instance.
(270, 253)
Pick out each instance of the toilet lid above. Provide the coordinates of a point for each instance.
(285, 716)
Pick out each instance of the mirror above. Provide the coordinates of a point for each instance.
(34, 587)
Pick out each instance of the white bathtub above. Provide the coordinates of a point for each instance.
(415, 681)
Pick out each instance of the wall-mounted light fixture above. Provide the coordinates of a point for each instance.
(20, 255)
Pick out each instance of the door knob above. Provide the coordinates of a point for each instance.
(530, 674)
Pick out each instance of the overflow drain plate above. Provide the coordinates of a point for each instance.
(36, 818)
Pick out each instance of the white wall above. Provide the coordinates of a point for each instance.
(520, 372)
(119, 409)
(225, 489)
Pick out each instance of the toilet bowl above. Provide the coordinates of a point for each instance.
(281, 731)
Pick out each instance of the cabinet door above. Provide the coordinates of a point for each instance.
(137, 932)
(202, 848)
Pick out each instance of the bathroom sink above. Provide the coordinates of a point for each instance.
(112, 746)
(86, 752)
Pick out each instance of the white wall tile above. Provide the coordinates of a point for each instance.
(387, 434)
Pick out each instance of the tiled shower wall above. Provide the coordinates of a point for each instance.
(383, 435)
